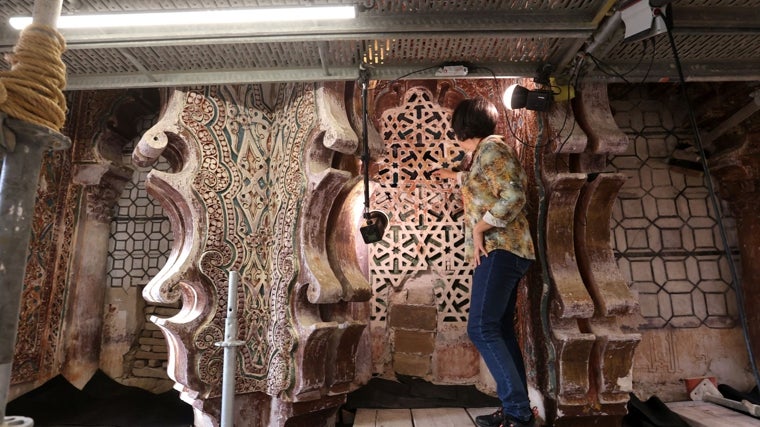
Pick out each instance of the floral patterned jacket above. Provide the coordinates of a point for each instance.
(494, 190)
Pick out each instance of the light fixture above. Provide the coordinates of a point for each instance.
(517, 96)
(377, 222)
(196, 17)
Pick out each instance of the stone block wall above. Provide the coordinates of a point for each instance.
(413, 329)
(151, 357)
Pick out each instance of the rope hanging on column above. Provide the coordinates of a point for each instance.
(32, 90)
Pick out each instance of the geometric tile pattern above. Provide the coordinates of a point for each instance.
(665, 233)
(141, 235)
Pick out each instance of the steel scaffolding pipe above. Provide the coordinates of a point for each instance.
(230, 345)
(22, 145)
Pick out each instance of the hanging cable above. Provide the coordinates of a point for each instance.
(364, 82)
(376, 221)
(713, 197)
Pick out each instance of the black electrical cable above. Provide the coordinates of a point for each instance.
(713, 198)
(364, 81)
(541, 246)
(543, 208)
(577, 73)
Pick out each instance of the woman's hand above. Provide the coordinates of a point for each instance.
(479, 241)
(444, 174)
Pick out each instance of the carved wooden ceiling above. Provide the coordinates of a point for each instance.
(718, 40)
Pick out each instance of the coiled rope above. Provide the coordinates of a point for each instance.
(32, 90)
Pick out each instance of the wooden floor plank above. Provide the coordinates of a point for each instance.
(365, 417)
(394, 418)
(441, 417)
(706, 414)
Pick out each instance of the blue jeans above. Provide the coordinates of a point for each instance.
(490, 326)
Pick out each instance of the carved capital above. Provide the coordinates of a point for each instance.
(102, 196)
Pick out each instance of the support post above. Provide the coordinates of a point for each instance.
(24, 145)
(229, 344)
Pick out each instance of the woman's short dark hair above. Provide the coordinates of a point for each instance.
(474, 118)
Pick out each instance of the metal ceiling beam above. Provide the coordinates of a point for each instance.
(694, 70)
(215, 77)
(716, 20)
(565, 25)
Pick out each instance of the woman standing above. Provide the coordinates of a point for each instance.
(497, 236)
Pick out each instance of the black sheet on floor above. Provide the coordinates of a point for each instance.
(410, 392)
(101, 403)
(651, 413)
(731, 393)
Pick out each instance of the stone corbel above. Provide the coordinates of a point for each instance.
(103, 179)
(330, 274)
(324, 286)
(338, 135)
(163, 139)
(565, 136)
(571, 299)
(342, 243)
(573, 349)
(341, 366)
(330, 264)
(592, 108)
(180, 277)
(612, 361)
(596, 261)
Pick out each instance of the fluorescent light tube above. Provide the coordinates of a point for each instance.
(196, 17)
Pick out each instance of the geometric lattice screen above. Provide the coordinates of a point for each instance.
(665, 232)
(141, 235)
(425, 234)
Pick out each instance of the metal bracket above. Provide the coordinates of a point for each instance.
(707, 392)
(11, 127)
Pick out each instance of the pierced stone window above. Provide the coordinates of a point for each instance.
(425, 235)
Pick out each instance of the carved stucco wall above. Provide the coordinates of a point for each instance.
(242, 209)
(93, 117)
(252, 189)
(239, 181)
(36, 355)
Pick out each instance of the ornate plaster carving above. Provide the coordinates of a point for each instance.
(254, 189)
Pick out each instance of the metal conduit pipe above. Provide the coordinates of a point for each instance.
(600, 35)
(605, 32)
